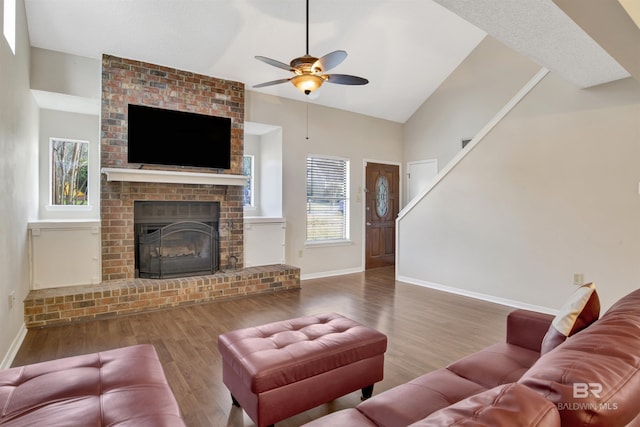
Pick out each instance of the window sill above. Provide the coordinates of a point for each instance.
(327, 243)
(65, 224)
(62, 208)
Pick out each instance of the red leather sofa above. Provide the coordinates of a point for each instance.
(123, 387)
(591, 379)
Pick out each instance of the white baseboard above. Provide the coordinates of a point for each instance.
(330, 273)
(477, 295)
(13, 349)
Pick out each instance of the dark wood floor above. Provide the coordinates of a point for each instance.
(426, 330)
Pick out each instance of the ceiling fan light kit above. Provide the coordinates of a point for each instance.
(307, 83)
(309, 70)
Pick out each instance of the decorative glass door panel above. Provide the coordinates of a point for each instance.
(382, 196)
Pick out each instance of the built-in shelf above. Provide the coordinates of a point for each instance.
(172, 177)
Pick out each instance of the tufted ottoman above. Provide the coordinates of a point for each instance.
(280, 369)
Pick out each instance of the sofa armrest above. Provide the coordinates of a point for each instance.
(527, 328)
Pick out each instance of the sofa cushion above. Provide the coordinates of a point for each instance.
(503, 406)
(347, 417)
(497, 364)
(594, 376)
(125, 386)
(580, 310)
(412, 401)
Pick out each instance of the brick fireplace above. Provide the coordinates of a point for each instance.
(126, 82)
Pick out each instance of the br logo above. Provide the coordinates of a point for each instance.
(583, 390)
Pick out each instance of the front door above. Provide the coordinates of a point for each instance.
(382, 207)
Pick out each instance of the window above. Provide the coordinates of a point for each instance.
(327, 199)
(247, 170)
(69, 172)
(9, 24)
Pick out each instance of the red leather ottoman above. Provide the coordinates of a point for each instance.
(280, 369)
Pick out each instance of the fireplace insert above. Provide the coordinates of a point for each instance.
(176, 239)
(184, 248)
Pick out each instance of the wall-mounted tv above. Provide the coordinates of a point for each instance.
(177, 138)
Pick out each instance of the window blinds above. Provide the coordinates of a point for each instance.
(327, 198)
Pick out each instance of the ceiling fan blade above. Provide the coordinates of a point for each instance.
(330, 60)
(275, 63)
(271, 83)
(345, 79)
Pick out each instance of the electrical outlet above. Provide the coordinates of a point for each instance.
(578, 279)
(12, 299)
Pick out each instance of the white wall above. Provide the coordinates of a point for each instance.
(334, 133)
(64, 82)
(66, 74)
(551, 191)
(270, 175)
(465, 102)
(265, 144)
(19, 178)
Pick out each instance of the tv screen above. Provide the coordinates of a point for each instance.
(177, 138)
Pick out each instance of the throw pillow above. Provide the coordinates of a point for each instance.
(581, 310)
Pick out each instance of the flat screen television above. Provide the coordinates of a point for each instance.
(177, 138)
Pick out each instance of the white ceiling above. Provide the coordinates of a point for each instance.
(406, 48)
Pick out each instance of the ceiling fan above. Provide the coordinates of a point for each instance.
(309, 71)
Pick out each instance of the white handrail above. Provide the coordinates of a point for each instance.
(462, 153)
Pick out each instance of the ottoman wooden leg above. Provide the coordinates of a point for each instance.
(237, 405)
(367, 392)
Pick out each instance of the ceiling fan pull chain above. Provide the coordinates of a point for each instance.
(307, 115)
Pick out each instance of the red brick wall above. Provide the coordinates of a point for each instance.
(127, 81)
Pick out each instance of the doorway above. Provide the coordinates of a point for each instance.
(419, 176)
(382, 204)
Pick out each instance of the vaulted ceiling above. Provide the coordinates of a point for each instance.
(406, 48)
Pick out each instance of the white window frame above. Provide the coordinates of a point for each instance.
(9, 23)
(53, 207)
(345, 208)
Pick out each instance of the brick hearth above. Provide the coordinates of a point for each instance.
(47, 307)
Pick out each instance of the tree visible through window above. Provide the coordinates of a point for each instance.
(247, 170)
(69, 172)
(327, 199)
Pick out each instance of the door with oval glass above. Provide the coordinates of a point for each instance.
(382, 207)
